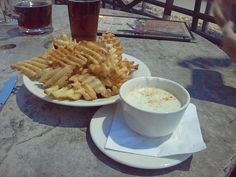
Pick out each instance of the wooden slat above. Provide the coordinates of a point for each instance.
(168, 9)
(196, 13)
(207, 12)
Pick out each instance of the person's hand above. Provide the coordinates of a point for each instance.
(229, 40)
(222, 10)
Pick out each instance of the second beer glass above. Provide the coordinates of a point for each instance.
(33, 16)
(83, 16)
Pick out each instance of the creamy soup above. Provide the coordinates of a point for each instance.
(153, 99)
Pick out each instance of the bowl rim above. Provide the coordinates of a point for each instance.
(121, 93)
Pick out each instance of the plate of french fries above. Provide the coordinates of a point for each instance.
(80, 73)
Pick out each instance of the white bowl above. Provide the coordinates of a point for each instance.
(152, 123)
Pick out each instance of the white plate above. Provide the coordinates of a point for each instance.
(35, 88)
(99, 129)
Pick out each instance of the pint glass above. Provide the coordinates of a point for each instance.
(33, 16)
(83, 16)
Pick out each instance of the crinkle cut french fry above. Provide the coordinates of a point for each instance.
(66, 71)
(85, 70)
(31, 67)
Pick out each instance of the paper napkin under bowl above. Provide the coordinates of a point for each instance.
(186, 138)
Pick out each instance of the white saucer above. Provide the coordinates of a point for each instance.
(99, 128)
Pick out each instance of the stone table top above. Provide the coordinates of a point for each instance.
(40, 139)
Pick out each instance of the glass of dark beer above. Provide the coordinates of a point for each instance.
(83, 16)
(33, 16)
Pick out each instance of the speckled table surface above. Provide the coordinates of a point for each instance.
(38, 138)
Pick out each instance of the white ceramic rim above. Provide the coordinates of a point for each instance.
(121, 93)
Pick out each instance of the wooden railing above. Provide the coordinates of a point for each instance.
(168, 8)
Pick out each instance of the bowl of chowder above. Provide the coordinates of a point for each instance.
(153, 106)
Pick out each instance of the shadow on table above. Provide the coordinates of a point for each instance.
(208, 84)
(184, 166)
(206, 63)
(52, 114)
(47, 44)
(9, 32)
